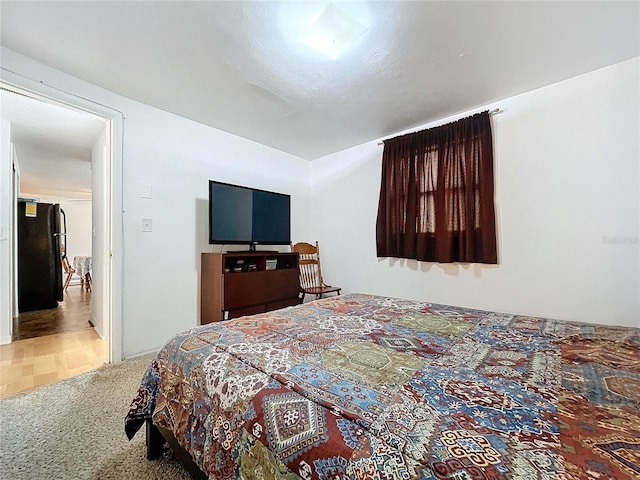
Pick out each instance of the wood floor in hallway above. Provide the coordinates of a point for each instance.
(72, 314)
(66, 346)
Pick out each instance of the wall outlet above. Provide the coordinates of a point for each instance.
(146, 225)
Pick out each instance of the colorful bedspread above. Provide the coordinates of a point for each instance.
(366, 387)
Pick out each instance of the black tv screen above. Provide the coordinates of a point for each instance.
(243, 215)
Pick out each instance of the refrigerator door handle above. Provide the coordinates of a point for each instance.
(63, 234)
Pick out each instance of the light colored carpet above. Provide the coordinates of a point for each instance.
(74, 429)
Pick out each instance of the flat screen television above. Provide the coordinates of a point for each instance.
(248, 216)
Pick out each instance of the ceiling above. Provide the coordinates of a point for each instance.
(241, 67)
(53, 144)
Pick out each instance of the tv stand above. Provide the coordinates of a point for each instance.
(234, 284)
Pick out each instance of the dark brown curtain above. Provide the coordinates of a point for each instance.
(436, 198)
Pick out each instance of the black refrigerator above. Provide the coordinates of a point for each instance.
(40, 236)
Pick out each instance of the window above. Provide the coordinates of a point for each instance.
(436, 196)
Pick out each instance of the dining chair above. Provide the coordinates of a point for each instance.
(67, 270)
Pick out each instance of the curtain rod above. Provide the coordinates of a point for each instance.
(493, 112)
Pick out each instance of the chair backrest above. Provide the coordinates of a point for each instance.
(65, 265)
(309, 264)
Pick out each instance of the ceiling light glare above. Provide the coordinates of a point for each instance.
(334, 31)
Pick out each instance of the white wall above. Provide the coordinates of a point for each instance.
(567, 163)
(176, 157)
(78, 226)
(6, 229)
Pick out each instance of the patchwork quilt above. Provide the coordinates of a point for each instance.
(368, 387)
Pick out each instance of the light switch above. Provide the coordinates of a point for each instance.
(145, 191)
(146, 224)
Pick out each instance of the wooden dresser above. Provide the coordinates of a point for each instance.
(243, 283)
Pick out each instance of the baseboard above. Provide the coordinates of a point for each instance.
(92, 322)
(103, 337)
(136, 355)
(5, 340)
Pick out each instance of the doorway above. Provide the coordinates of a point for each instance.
(100, 166)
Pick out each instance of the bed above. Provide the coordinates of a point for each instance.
(369, 387)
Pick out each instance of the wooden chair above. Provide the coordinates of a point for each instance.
(311, 281)
(67, 270)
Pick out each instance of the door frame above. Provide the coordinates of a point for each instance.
(112, 278)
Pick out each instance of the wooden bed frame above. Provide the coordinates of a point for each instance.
(156, 438)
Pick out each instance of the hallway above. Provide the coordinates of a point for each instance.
(71, 315)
